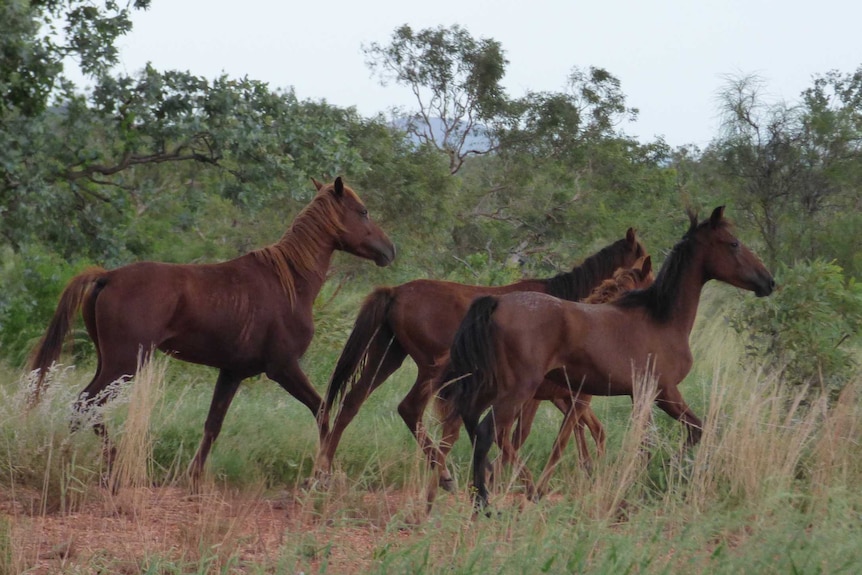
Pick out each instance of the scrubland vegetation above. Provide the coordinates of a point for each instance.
(169, 166)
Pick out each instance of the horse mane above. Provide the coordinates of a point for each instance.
(624, 280)
(576, 284)
(660, 298)
(312, 230)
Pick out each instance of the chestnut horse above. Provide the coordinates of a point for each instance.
(246, 316)
(419, 319)
(508, 345)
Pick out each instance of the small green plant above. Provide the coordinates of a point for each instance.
(807, 326)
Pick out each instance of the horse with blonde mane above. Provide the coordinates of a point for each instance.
(246, 316)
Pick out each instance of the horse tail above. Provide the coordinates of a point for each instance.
(48, 350)
(372, 324)
(470, 370)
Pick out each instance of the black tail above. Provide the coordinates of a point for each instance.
(371, 325)
(470, 371)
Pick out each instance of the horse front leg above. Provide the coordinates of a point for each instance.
(584, 417)
(671, 402)
(570, 422)
(225, 389)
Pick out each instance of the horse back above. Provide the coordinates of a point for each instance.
(426, 313)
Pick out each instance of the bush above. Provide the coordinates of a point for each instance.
(807, 327)
(30, 286)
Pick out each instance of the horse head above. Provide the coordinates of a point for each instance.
(357, 233)
(729, 260)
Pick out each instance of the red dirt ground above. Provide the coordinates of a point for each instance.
(124, 535)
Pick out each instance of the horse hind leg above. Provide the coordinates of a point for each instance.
(412, 408)
(504, 415)
(377, 369)
(225, 389)
(93, 397)
(483, 439)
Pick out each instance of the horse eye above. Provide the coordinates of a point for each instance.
(363, 213)
(734, 244)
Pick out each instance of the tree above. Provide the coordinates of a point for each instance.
(456, 81)
(562, 124)
(793, 163)
(72, 164)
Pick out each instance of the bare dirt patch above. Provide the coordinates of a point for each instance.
(288, 533)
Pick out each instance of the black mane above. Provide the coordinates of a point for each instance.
(578, 283)
(659, 299)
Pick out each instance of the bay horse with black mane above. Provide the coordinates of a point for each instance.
(507, 345)
(246, 316)
(419, 319)
(624, 280)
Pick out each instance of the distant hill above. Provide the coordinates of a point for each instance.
(476, 140)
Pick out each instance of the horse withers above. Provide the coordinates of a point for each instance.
(246, 316)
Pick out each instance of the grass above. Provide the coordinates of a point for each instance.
(774, 487)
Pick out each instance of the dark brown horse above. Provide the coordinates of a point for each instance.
(507, 346)
(246, 316)
(419, 319)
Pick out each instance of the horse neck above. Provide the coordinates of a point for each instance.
(309, 260)
(299, 260)
(690, 282)
(689, 302)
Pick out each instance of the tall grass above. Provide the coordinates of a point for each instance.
(132, 470)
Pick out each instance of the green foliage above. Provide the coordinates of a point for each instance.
(793, 168)
(564, 125)
(30, 286)
(807, 327)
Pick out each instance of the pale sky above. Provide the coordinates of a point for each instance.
(671, 56)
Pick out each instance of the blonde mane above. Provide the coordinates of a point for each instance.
(313, 229)
(624, 280)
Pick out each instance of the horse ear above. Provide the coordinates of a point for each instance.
(317, 184)
(716, 216)
(630, 236)
(339, 187)
(646, 266)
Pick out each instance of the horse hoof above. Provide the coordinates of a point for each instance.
(106, 482)
(320, 481)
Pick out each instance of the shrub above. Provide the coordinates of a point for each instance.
(30, 286)
(807, 327)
